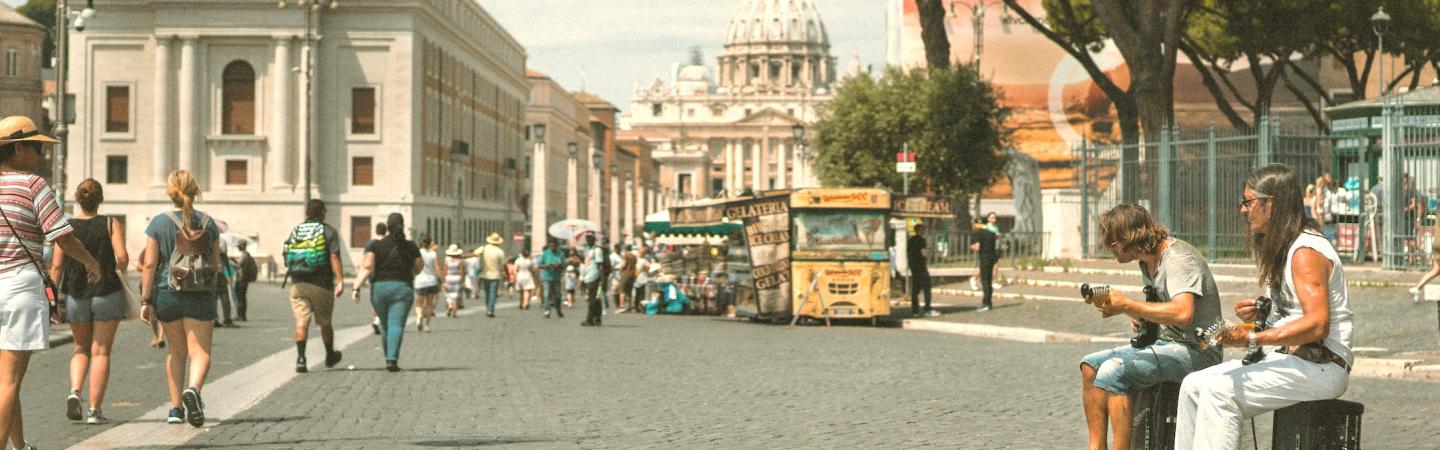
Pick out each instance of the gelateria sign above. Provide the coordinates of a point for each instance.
(766, 224)
(924, 206)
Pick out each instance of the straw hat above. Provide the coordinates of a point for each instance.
(494, 239)
(454, 250)
(22, 129)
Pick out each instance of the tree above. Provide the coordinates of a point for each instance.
(932, 33)
(951, 119)
(1222, 33)
(43, 12)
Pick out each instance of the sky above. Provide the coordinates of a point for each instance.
(609, 46)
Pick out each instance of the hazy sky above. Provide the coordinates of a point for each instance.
(618, 43)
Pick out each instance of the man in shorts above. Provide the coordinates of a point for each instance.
(1188, 299)
(313, 294)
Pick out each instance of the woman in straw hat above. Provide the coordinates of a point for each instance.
(453, 274)
(31, 215)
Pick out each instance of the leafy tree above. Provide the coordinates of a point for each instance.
(43, 12)
(1221, 33)
(950, 118)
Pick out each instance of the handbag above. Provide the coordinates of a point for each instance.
(52, 293)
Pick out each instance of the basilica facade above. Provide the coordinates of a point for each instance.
(741, 126)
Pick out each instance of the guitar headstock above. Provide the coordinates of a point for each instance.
(1210, 336)
(1095, 295)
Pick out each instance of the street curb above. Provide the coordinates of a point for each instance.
(1391, 368)
(1008, 295)
(1219, 278)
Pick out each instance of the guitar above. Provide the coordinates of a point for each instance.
(1099, 295)
(1210, 336)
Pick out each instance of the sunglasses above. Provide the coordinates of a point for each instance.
(1245, 202)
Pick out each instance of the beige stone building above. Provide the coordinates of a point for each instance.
(416, 106)
(559, 164)
(730, 129)
(20, 65)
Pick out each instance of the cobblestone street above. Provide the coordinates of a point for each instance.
(523, 381)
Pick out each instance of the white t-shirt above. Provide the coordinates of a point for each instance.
(1287, 305)
(427, 276)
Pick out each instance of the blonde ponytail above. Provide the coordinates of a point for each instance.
(183, 189)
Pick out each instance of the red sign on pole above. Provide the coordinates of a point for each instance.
(905, 157)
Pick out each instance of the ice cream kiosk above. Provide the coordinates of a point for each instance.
(839, 260)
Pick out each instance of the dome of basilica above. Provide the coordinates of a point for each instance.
(780, 21)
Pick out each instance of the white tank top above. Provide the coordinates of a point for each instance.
(427, 276)
(1287, 305)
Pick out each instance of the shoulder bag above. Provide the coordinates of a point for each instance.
(52, 294)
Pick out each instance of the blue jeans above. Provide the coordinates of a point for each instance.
(1126, 370)
(392, 301)
(492, 288)
(552, 295)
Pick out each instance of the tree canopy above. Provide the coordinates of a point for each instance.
(950, 118)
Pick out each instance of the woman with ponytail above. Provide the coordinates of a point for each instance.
(187, 317)
(394, 262)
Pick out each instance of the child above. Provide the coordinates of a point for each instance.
(570, 284)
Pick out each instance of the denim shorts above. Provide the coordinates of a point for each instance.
(171, 306)
(95, 309)
(1127, 370)
(432, 290)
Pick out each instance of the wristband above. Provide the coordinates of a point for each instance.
(1252, 347)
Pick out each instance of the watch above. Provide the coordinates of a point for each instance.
(1252, 346)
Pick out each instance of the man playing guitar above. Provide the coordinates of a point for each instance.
(1184, 298)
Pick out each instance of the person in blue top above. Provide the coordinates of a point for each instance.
(551, 263)
(593, 258)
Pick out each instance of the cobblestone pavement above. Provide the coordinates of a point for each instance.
(522, 381)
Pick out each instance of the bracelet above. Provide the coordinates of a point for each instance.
(1251, 348)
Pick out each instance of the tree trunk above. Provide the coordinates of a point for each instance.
(932, 33)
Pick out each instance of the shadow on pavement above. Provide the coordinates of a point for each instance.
(402, 370)
(264, 419)
(480, 442)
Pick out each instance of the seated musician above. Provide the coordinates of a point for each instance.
(1310, 318)
(1183, 298)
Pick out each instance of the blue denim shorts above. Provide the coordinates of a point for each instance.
(1127, 370)
(171, 306)
(95, 309)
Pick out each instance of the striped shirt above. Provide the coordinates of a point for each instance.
(30, 205)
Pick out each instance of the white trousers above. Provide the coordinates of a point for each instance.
(1214, 401)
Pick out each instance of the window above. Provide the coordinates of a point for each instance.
(359, 231)
(683, 185)
(362, 171)
(362, 110)
(117, 169)
(855, 230)
(12, 62)
(117, 109)
(237, 103)
(237, 172)
(657, 109)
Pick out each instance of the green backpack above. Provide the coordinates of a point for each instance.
(306, 252)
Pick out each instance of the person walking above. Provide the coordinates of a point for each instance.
(94, 310)
(391, 265)
(223, 287)
(551, 263)
(453, 272)
(312, 261)
(594, 259)
(916, 254)
(472, 276)
(525, 279)
(248, 272)
(1417, 292)
(380, 230)
(986, 256)
(182, 262)
(31, 215)
(492, 268)
(572, 281)
(427, 284)
(628, 262)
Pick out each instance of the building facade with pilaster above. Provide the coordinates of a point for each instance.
(559, 163)
(375, 106)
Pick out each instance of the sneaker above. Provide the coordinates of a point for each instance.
(194, 407)
(490, 315)
(1416, 294)
(176, 416)
(547, 314)
(933, 313)
(560, 312)
(983, 309)
(301, 366)
(96, 418)
(332, 359)
(229, 323)
(392, 366)
(72, 406)
(974, 284)
(375, 325)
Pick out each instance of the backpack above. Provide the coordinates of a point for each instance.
(191, 268)
(306, 252)
(248, 270)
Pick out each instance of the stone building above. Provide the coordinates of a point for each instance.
(416, 106)
(559, 164)
(730, 129)
(20, 65)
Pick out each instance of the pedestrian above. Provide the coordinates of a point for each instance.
(182, 250)
(510, 276)
(1187, 300)
(391, 265)
(1310, 317)
(94, 310)
(380, 231)
(983, 244)
(453, 272)
(248, 272)
(915, 255)
(550, 264)
(312, 261)
(628, 262)
(642, 279)
(992, 224)
(617, 282)
(1417, 292)
(472, 276)
(572, 280)
(427, 284)
(222, 287)
(594, 258)
(492, 268)
(525, 279)
(31, 215)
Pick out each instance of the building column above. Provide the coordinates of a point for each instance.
(762, 163)
(806, 77)
(188, 99)
(614, 229)
(629, 226)
(594, 194)
(755, 166)
(729, 167)
(782, 156)
(572, 188)
(281, 153)
(538, 197)
(160, 157)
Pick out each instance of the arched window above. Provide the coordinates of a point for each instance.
(237, 105)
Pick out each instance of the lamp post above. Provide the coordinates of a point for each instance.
(802, 176)
(1380, 24)
(538, 199)
(67, 19)
(313, 10)
(977, 21)
(597, 166)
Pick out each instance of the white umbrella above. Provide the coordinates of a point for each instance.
(232, 241)
(570, 229)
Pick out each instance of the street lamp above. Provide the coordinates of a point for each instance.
(1380, 22)
(312, 36)
(68, 19)
(539, 130)
(573, 148)
(977, 21)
